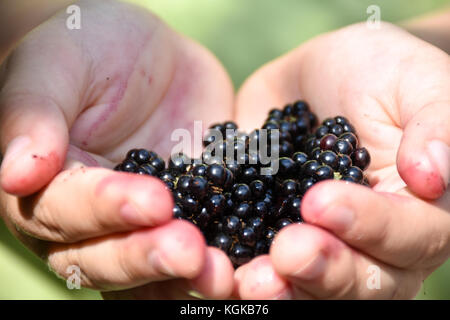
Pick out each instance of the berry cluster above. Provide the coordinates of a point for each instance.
(238, 206)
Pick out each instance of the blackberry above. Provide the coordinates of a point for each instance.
(323, 173)
(327, 142)
(222, 241)
(361, 158)
(258, 189)
(233, 197)
(350, 137)
(216, 174)
(329, 158)
(243, 210)
(247, 237)
(231, 225)
(343, 147)
(240, 254)
(179, 163)
(355, 172)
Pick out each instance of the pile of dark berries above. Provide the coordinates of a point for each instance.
(224, 193)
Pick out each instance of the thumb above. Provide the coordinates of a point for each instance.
(39, 97)
(34, 141)
(423, 159)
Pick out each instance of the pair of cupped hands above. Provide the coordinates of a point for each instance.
(74, 101)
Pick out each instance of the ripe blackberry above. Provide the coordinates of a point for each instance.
(243, 210)
(199, 187)
(235, 198)
(322, 131)
(129, 166)
(355, 172)
(344, 163)
(310, 167)
(306, 183)
(327, 142)
(260, 209)
(179, 163)
(323, 173)
(216, 174)
(329, 122)
(337, 130)
(289, 187)
(222, 241)
(350, 137)
(240, 254)
(343, 147)
(178, 211)
(361, 158)
(299, 158)
(247, 237)
(286, 167)
(147, 169)
(258, 189)
(329, 158)
(216, 203)
(280, 224)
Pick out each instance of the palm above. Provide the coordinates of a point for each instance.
(367, 79)
(135, 88)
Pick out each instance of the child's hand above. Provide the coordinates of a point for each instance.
(395, 89)
(76, 98)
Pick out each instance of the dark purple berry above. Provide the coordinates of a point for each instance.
(361, 158)
(350, 137)
(327, 142)
(343, 147)
(247, 237)
(240, 254)
(231, 225)
(243, 210)
(355, 172)
(329, 158)
(223, 242)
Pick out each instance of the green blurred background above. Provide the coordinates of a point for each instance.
(243, 34)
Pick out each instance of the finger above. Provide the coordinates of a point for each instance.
(258, 280)
(326, 268)
(174, 250)
(84, 203)
(401, 231)
(216, 279)
(38, 102)
(214, 282)
(423, 158)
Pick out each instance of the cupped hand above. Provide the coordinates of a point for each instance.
(395, 89)
(72, 103)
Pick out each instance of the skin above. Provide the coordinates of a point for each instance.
(73, 102)
(395, 89)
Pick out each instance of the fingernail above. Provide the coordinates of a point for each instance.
(131, 214)
(158, 262)
(312, 268)
(439, 153)
(196, 294)
(284, 295)
(15, 148)
(338, 218)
